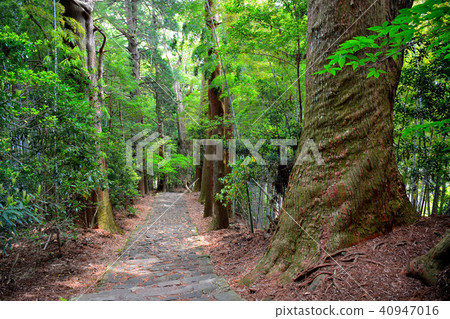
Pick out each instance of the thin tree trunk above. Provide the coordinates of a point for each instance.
(183, 147)
(131, 35)
(444, 189)
(217, 111)
(299, 90)
(82, 11)
(162, 180)
(250, 215)
(198, 177)
(436, 195)
(209, 184)
(205, 178)
(422, 198)
(121, 122)
(428, 198)
(205, 162)
(298, 59)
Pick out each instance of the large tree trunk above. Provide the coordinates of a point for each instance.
(81, 11)
(358, 193)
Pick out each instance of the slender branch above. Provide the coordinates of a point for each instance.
(96, 28)
(272, 56)
(39, 26)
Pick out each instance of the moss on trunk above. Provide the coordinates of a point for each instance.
(82, 13)
(105, 217)
(358, 193)
(427, 267)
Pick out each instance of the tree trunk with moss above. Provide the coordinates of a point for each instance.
(81, 11)
(429, 266)
(358, 193)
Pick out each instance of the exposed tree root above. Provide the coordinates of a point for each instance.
(378, 245)
(309, 271)
(428, 266)
(322, 263)
(353, 257)
(374, 262)
(310, 280)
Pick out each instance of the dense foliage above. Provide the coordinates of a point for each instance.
(50, 148)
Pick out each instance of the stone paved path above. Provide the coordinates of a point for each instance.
(164, 263)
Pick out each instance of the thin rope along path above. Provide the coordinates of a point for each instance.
(166, 263)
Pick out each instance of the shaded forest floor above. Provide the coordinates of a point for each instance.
(29, 273)
(372, 270)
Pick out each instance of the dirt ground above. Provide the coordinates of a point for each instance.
(30, 273)
(371, 270)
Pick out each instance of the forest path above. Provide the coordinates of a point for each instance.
(163, 260)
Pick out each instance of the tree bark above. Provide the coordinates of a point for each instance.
(209, 183)
(182, 142)
(162, 179)
(183, 146)
(299, 86)
(428, 266)
(221, 213)
(81, 11)
(217, 111)
(443, 191)
(198, 178)
(358, 193)
(101, 59)
(131, 35)
(203, 102)
(205, 181)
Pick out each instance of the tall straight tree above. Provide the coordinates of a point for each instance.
(82, 11)
(131, 35)
(130, 32)
(217, 110)
(358, 192)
